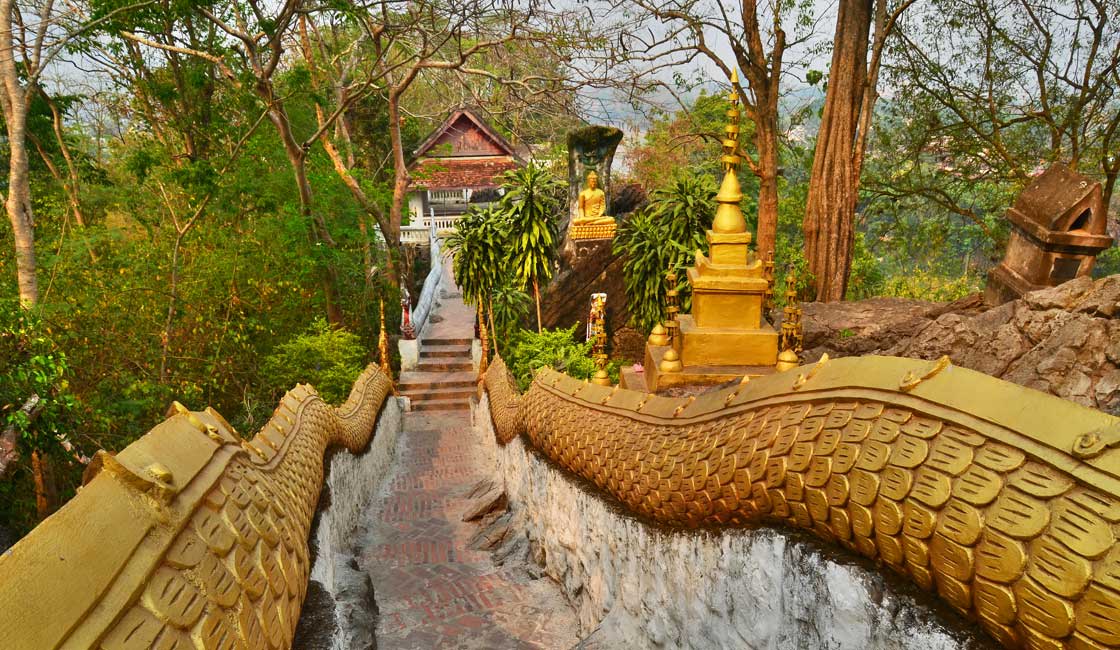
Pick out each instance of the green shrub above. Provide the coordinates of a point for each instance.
(924, 285)
(330, 359)
(866, 279)
(558, 349)
(33, 365)
(478, 247)
(511, 306)
(664, 233)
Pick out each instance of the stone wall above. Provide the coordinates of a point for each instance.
(645, 587)
(340, 613)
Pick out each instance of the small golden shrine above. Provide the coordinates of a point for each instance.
(725, 337)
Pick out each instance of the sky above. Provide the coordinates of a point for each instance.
(611, 107)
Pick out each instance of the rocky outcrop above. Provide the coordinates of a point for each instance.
(586, 267)
(1064, 340)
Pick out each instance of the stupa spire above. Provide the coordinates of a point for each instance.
(729, 217)
(730, 158)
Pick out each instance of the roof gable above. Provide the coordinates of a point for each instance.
(1062, 200)
(464, 133)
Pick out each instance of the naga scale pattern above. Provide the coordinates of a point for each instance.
(190, 538)
(1000, 499)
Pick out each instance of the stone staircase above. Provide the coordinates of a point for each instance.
(444, 379)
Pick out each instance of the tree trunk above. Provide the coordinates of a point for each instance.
(172, 305)
(13, 100)
(73, 185)
(537, 296)
(344, 169)
(767, 144)
(1109, 184)
(400, 171)
(392, 246)
(44, 494)
(297, 157)
(833, 185)
(493, 332)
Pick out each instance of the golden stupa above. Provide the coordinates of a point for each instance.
(725, 337)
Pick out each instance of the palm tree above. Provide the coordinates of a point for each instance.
(478, 251)
(530, 205)
(663, 234)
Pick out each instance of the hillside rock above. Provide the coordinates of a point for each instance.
(586, 267)
(1063, 340)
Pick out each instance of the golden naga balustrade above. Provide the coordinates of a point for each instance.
(1002, 500)
(190, 538)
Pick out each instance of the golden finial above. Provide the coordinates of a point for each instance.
(730, 158)
(670, 362)
(484, 340)
(383, 344)
(729, 217)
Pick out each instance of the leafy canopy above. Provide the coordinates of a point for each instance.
(662, 235)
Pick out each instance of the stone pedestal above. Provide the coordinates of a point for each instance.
(410, 353)
(579, 232)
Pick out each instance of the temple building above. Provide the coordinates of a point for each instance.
(458, 164)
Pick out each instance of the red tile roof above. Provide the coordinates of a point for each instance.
(447, 173)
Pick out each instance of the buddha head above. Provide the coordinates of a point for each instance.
(592, 180)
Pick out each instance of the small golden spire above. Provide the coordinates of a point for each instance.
(730, 158)
(383, 344)
(729, 217)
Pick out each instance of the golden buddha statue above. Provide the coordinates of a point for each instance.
(592, 206)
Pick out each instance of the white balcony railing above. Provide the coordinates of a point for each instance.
(433, 225)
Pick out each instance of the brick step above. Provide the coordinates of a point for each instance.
(446, 351)
(466, 342)
(444, 366)
(442, 405)
(438, 392)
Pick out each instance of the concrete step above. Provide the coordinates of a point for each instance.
(442, 405)
(411, 380)
(446, 352)
(429, 365)
(416, 386)
(438, 392)
(444, 341)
